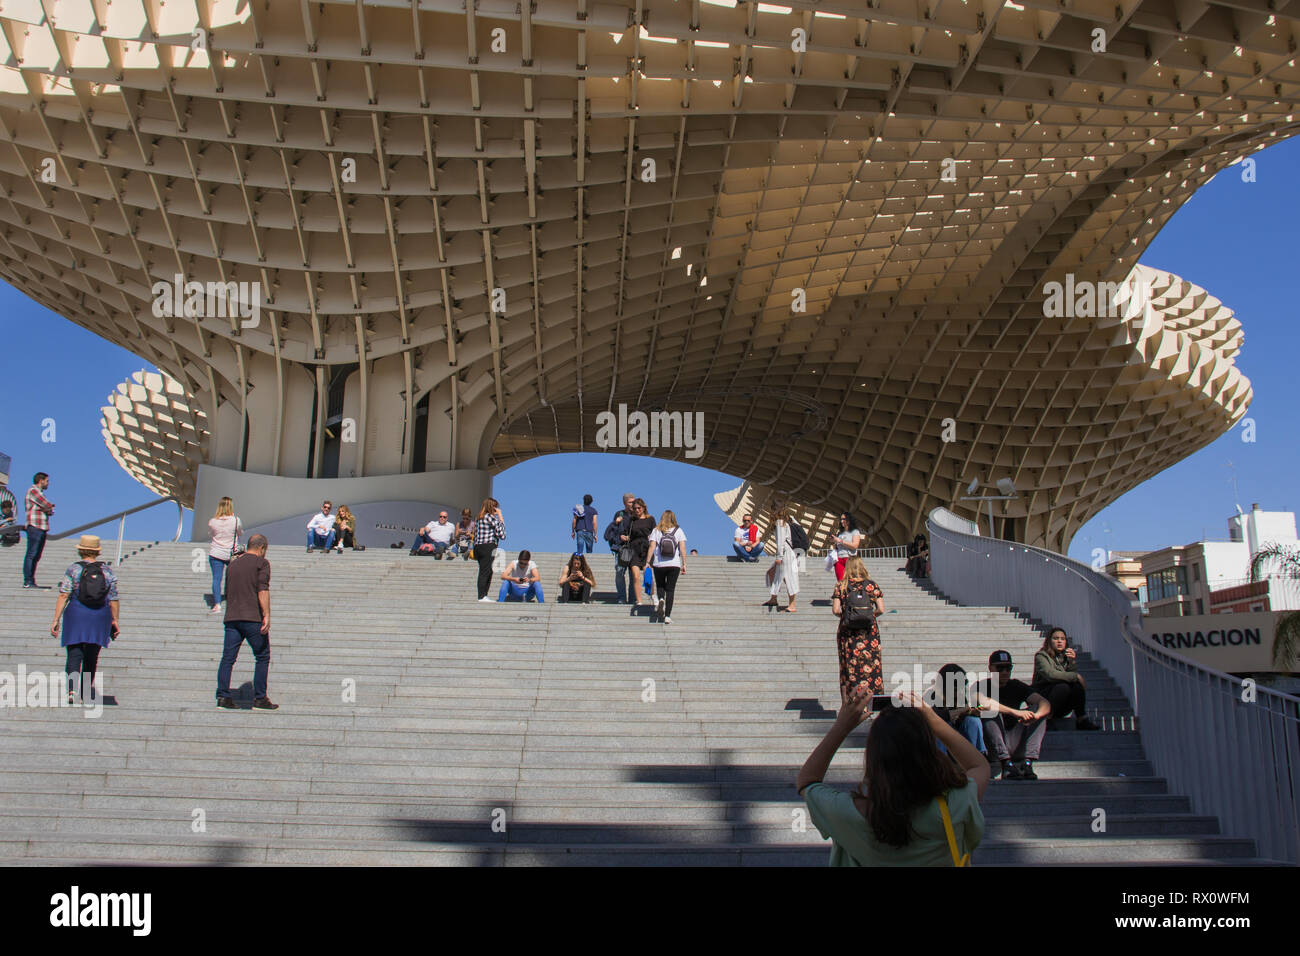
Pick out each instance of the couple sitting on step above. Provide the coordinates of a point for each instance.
(1013, 716)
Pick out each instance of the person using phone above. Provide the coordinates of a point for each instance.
(910, 793)
(577, 581)
(521, 580)
(489, 531)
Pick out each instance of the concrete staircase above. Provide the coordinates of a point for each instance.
(536, 716)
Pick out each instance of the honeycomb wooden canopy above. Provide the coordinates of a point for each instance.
(472, 226)
(153, 433)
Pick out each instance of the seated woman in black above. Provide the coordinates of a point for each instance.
(576, 581)
(1057, 678)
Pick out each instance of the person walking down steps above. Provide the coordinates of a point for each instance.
(786, 568)
(668, 559)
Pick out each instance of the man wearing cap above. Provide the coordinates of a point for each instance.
(1018, 720)
(248, 618)
(438, 533)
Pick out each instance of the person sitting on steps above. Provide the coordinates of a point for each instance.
(320, 529)
(577, 581)
(1057, 678)
(1014, 719)
(521, 580)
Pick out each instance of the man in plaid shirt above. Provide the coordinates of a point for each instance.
(39, 510)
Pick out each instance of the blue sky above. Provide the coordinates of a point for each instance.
(1240, 241)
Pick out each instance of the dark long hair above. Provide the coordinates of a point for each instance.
(904, 771)
(582, 566)
(1047, 641)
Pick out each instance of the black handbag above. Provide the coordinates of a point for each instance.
(626, 555)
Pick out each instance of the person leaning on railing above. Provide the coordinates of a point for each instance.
(1057, 678)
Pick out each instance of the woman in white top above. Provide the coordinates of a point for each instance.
(847, 541)
(224, 530)
(786, 569)
(668, 558)
(522, 580)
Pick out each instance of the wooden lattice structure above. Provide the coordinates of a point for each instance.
(476, 224)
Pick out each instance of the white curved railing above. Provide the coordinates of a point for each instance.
(1233, 749)
(120, 517)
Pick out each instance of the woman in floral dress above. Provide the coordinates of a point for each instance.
(859, 647)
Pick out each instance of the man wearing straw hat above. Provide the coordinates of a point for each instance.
(86, 609)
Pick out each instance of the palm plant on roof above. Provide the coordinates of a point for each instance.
(1282, 563)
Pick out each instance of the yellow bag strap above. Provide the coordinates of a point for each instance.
(957, 858)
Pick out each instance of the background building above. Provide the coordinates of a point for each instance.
(1211, 577)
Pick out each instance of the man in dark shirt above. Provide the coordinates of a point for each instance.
(1015, 719)
(248, 618)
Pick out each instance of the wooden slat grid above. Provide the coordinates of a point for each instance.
(500, 145)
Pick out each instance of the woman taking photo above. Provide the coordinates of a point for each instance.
(668, 558)
(489, 530)
(576, 581)
(858, 602)
(847, 541)
(786, 568)
(1057, 679)
(639, 541)
(224, 530)
(915, 806)
(88, 615)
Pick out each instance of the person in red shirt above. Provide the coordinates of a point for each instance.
(38, 526)
(747, 545)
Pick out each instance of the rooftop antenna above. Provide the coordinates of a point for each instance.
(1236, 499)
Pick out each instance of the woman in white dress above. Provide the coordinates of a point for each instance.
(786, 569)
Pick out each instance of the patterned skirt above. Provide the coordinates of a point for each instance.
(860, 660)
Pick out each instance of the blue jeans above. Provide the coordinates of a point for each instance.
(511, 590)
(317, 540)
(584, 543)
(748, 554)
(35, 545)
(438, 546)
(218, 572)
(236, 633)
(972, 728)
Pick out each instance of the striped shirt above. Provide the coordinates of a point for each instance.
(489, 529)
(38, 509)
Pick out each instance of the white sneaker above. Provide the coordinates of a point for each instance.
(482, 600)
(668, 620)
(216, 609)
(660, 607)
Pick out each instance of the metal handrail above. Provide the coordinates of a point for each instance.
(1194, 758)
(120, 517)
